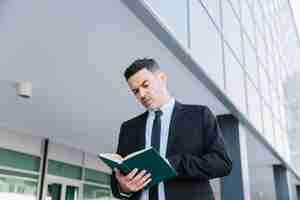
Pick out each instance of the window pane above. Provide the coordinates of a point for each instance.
(264, 86)
(206, 43)
(268, 39)
(254, 106)
(275, 104)
(235, 5)
(231, 29)
(213, 7)
(97, 176)
(250, 3)
(270, 66)
(17, 189)
(235, 81)
(267, 6)
(54, 191)
(283, 117)
(247, 21)
(286, 150)
(268, 124)
(261, 51)
(250, 62)
(276, 78)
(72, 193)
(174, 15)
(59, 168)
(14, 159)
(258, 16)
(280, 84)
(95, 192)
(278, 133)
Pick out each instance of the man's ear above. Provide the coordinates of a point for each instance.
(163, 76)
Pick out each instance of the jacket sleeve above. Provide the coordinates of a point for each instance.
(121, 150)
(215, 162)
(113, 181)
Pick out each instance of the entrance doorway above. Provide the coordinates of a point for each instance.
(58, 188)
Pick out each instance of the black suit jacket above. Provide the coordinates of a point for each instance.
(195, 149)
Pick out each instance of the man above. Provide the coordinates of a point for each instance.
(187, 135)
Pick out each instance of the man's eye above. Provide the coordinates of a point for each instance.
(135, 91)
(146, 85)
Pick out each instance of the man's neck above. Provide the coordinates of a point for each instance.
(166, 100)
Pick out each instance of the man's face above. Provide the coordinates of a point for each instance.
(148, 87)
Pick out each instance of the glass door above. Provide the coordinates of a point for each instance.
(71, 192)
(62, 189)
(54, 191)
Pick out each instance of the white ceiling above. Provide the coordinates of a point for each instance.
(74, 53)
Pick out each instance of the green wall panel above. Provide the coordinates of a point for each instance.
(18, 174)
(10, 158)
(62, 169)
(97, 176)
(95, 193)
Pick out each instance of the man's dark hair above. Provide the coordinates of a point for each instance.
(137, 65)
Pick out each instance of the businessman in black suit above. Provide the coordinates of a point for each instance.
(187, 135)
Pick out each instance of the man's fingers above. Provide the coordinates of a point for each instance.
(144, 184)
(139, 176)
(131, 175)
(139, 181)
(134, 181)
(144, 179)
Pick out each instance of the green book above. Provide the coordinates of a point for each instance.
(147, 159)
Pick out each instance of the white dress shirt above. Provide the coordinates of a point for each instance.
(167, 110)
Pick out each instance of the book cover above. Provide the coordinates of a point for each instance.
(147, 159)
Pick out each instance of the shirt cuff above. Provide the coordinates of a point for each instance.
(123, 194)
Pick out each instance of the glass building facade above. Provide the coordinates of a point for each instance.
(248, 48)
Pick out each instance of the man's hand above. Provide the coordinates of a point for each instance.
(133, 181)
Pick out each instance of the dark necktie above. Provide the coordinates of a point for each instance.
(155, 143)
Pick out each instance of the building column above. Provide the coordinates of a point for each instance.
(43, 169)
(281, 183)
(298, 192)
(237, 185)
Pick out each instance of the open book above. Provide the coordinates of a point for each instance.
(148, 159)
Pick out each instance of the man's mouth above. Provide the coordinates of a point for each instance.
(147, 101)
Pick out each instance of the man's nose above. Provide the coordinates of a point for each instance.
(142, 93)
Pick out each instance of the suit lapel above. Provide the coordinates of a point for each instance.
(176, 112)
(141, 131)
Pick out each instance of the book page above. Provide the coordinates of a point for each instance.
(112, 156)
(135, 153)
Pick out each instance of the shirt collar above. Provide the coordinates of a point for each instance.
(166, 108)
